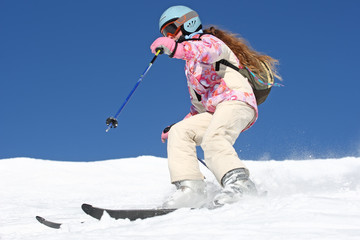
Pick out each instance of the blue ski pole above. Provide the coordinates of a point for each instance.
(112, 122)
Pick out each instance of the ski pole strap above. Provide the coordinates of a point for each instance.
(175, 48)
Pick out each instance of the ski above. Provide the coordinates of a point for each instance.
(96, 212)
(131, 214)
(48, 223)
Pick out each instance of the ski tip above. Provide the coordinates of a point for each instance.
(40, 219)
(92, 211)
(86, 207)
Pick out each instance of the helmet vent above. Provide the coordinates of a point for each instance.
(191, 24)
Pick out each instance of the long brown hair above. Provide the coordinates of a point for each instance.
(246, 55)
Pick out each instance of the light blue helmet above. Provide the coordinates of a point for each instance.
(181, 16)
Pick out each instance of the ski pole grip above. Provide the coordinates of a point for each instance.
(159, 49)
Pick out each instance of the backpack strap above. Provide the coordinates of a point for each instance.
(226, 63)
(243, 71)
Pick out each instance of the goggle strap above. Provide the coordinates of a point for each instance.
(180, 21)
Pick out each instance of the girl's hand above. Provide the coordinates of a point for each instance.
(169, 46)
(165, 133)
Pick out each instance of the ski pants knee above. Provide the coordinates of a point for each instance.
(216, 133)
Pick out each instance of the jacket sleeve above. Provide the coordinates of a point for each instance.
(209, 50)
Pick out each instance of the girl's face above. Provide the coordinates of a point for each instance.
(177, 36)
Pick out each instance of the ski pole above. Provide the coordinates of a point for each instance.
(112, 121)
(202, 162)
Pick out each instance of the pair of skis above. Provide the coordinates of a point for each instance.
(95, 212)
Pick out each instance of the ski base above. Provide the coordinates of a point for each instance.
(131, 214)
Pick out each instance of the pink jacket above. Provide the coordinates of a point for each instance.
(213, 86)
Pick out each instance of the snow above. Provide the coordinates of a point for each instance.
(307, 199)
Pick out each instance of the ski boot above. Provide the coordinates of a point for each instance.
(189, 194)
(236, 184)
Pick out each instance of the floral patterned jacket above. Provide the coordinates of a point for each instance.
(208, 87)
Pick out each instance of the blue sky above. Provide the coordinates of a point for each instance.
(65, 66)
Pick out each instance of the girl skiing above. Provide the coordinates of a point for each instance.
(223, 105)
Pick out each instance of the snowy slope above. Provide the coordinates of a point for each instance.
(311, 199)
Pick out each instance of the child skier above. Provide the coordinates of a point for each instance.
(223, 105)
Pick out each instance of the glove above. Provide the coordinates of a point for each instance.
(169, 46)
(165, 133)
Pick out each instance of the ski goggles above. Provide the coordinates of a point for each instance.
(171, 29)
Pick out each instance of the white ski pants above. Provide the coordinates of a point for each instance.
(215, 133)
